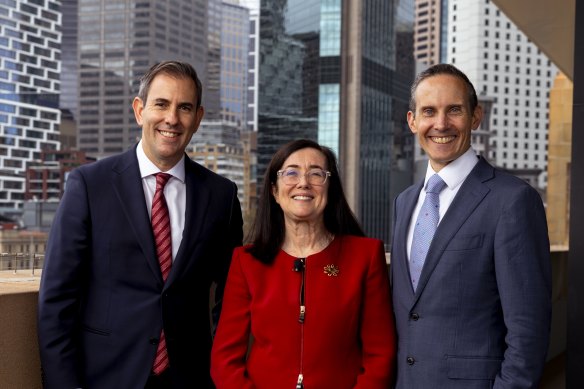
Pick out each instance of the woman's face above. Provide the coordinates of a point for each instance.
(306, 199)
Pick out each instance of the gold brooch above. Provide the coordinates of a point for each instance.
(331, 270)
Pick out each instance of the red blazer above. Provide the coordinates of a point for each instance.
(348, 336)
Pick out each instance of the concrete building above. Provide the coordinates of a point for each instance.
(428, 25)
(227, 150)
(253, 63)
(30, 66)
(46, 178)
(339, 72)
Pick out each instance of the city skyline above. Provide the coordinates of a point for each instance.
(376, 165)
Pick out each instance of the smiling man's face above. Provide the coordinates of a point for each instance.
(168, 118)
(443, 121)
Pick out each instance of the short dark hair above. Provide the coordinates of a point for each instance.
(448, 69)
(174, 69)
(268, 230)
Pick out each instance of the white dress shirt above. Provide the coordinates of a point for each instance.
(175, 193)
(453, 175)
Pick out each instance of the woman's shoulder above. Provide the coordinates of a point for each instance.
(244, 253)
(361, 240)
(242, 250)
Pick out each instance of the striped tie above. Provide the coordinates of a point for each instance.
(162, 237)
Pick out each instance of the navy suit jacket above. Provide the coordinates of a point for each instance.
(480, 316)
(102, 300)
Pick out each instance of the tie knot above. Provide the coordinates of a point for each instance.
(435, 184)
(161, 180)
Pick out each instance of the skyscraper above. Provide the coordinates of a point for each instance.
(331, 71)
(118, 41)
(427, 30)
(30, 48)
(235, 38)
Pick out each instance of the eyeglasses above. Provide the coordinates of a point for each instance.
(313, 176)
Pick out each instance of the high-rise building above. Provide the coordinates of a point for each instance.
(427, 30)
(253, 63)
(30, 66)
(504, 65)
(212, 86)
(68, 99)
(339, 72)
(235, 38)
(117, 42)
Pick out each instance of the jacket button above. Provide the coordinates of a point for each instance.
(153, 340)
(414, 316)
(410, 360)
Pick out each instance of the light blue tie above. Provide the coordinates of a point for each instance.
(425, 227)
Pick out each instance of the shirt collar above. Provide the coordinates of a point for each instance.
(456, 171)
(147, 168)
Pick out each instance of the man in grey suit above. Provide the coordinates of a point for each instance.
(474, 312)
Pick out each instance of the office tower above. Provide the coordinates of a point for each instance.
(429, 15)
(69, 76)
(212, 92)
(503, 64)
(235, 37)
(338, 72)
(30, 48)
(222, 143)
(117, 42)
(253, 63)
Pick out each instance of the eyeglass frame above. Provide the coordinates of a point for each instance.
(280, 173)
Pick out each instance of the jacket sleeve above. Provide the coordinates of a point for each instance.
(62, 281)
(377, 327)
(230, 346)
(523, 270)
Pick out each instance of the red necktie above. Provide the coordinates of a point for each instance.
(163, 239)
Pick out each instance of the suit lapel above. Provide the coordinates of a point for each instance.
(403, 224)
(127, 184)
(471, 194)
(197, 200)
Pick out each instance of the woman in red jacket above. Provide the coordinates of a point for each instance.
(307, 305)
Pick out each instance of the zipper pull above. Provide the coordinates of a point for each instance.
(299, 384)
(302, 313)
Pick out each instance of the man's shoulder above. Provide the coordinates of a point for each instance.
(116, 162)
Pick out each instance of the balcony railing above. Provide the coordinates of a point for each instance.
(21, 262)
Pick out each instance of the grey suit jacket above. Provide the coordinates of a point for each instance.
(102, 300)
(480, 316)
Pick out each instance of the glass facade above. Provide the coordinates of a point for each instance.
(234, 61)
(328, 115)
(302, 92)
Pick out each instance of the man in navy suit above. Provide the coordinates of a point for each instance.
(103, 302)
(478, 313)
